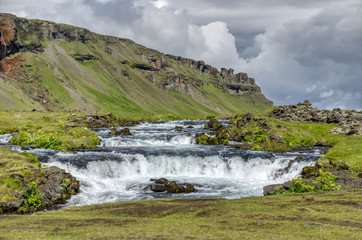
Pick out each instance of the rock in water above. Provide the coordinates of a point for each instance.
(126, 131)
(163, 185)
(158, 188)
(214, 124)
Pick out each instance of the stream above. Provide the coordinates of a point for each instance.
(121, 168)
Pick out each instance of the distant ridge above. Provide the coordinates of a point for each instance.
(57, 67)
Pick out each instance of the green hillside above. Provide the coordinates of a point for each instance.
(58, 67)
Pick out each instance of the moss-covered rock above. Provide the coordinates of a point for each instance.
(26, 186)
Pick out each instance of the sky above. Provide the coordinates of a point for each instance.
(295, 50)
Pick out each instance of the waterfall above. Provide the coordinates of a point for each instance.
(121, 168)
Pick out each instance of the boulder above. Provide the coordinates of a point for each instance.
(178, 128)
(114, 131)
(161, 181)
(126, 131)
(276, 188)
(309, 172)
(163, 185)
(11, 206)
(96, 121)
(158, 188)
(245, 119)
(56, 186)
(276, 138)
(214, 124)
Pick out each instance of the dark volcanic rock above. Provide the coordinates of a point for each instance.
(57, 186)
(11, 206)
(350, 122)
(114, 131)
(96, 121)
(158, 188)
(214, 124)
(163, 185)
(276, 138)
(276, 188)
(126, 131)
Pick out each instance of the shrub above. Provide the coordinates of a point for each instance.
(32, 199)
(38, 138)
(324, 182)
(65, 185)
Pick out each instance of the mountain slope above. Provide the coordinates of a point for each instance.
(58, 67)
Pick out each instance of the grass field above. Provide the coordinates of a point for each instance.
(323, 215)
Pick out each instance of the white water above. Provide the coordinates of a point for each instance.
(121, 169)
(5, 138)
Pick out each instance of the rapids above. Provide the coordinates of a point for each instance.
(121, 168)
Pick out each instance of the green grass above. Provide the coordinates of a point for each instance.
(346, 154)
(100, 84)
(12, 164)
(46, 130)
(325, 215)
(345, 151)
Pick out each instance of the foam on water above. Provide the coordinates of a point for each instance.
(4, 139)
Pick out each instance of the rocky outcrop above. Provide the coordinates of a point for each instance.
(345, 179)
(350, 122)
(34, 187)
(56, 186)
(22, 35)
(213, 124)
(235, 84)
(164, 185)
(95, 121)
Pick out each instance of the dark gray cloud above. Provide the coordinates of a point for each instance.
(295, 49)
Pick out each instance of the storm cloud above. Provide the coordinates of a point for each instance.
(295, 50)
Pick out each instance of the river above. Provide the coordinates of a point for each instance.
(121, 168)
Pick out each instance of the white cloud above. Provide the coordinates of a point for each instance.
(326, 94)
(295, 50)
(104, 1)
(161, 3)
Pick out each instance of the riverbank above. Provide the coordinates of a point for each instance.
(323, 215)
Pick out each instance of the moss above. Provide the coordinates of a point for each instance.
(15, 167)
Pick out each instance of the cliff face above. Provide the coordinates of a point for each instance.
(82, 65)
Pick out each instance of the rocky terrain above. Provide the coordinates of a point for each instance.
(53, 66)
(350, 122)
(26, 186)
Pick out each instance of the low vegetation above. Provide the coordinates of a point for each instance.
(324, 182)
(47, 130)
(14, 167)
(264, 133)
(321, 215)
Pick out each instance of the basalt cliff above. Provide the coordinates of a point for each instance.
(57, 67)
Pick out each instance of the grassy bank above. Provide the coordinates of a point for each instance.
(257, 134)
(324, 215)
(47, 130)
